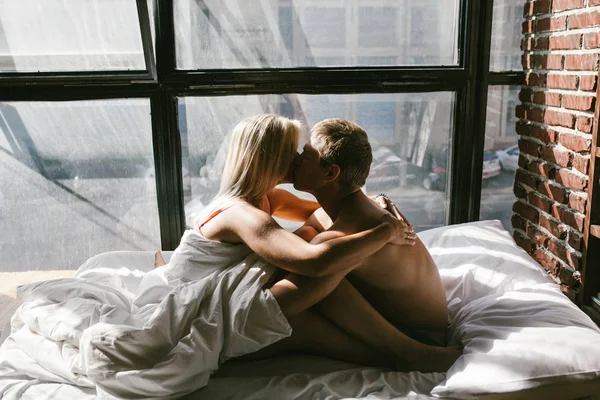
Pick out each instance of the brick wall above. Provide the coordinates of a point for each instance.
(561, 42)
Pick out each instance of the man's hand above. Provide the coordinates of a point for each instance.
(402, 232)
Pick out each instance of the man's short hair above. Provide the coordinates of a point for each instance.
(346, 144)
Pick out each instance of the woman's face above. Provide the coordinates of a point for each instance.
(289, 176)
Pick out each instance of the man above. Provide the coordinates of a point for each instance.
(401, 282)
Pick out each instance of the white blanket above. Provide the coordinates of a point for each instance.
(130, 334)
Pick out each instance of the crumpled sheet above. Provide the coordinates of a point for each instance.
(130, 334)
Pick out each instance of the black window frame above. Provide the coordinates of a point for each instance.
(162, 83)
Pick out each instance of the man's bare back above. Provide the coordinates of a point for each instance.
(401, 282)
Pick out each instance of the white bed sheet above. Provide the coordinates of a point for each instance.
(487, 265)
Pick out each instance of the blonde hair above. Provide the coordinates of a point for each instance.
(345, 144)
(261, 151)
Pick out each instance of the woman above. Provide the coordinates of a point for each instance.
(261, 153)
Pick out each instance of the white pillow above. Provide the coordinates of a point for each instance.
(520, 333)
(479, 259)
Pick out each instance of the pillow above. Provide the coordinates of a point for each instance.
(520, 334)
(478, 259)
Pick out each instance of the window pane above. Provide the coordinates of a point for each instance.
(409, 134)
(505, 50)
(501, 156)
(77, 179)
(297, 33)
(69, 35)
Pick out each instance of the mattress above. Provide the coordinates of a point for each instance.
(522, 338)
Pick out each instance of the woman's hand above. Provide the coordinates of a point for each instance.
(402, 232)
(387, 204)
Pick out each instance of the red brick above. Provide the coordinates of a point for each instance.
(575, 240)
(587, 82)
(556, 193)
(568, 82)
(523, 163)
(527, 147)
(528, 9)
(528, 61)
(526, 211)
(547, 261)
(584, 20)
(519, 191)
(557, 156)
(552, 117)
(554, 227)
(581, 103)
(551, 24)
(558, 249)
(545, 135)
(542, 43)
(566, 276)
(581, 164)
(539, 80)
(591, 40)
(570, 179)
(541, 168)
(526, 179)
(581, 62)
(522, 128)
(565, 42)
(541, 7)
(584, 124)
(569, 217)
(562, 5)
(574, 261)
(525, 95)
(546, 98)
(548, 61)
(592, 3)
(539, 202)
(518, 223)
(538, 237)
(577, 202)
(527, 27)
(576, 143)
(570, 258)
(527, 44)
(524, 242)
(529, 113)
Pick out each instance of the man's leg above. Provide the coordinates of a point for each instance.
(343, 305)
(314, 334)
(349, 310)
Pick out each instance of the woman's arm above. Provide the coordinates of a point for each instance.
(288, 206)
(287, 251)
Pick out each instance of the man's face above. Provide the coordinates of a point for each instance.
(308, 172)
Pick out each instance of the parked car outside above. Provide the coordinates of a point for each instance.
(491, 165)
(436, 178)
(509, 158)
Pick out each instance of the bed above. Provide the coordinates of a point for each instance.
(522, 338)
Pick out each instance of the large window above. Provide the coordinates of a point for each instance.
(77, 179)
(298, 33)
(501, 155)
(70, 35)
(114, 114)
(409, 134)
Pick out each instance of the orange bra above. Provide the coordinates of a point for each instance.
(214, 214)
